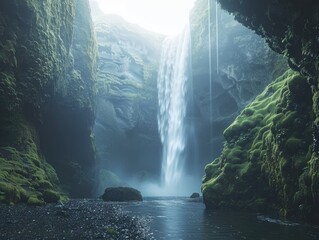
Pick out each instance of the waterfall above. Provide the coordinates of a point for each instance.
(217, 38)
(209, 12)
(172, 97)
(210, 63)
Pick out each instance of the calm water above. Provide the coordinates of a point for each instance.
(181, 219)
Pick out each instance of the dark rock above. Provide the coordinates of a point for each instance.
(195, 195)
(247, 174)
(122, 194)
(73, 110)
(47, 97)
(289, 28)
(126, 114)
(50, 196)
(245, 66)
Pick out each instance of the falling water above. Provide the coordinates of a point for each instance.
(172, 91)
(210, 64)
(209, 9)
(217, 38)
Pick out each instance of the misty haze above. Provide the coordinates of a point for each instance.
(159, 119)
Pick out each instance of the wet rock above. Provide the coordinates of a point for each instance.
(195, 195)
(122, 194)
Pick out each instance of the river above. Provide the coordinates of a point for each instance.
(178, 218)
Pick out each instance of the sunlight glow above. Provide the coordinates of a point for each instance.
(167, 17)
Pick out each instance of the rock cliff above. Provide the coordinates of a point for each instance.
(285, 156)
(127, 98)
(44, 70)
(245, 66)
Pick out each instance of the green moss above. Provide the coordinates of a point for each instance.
(267, 155)
(255, 154)
(51, 196)
(47, 62)
(293, 145)
(35, 201)
(287, 119)
(236, 155)
(23, 171)
(213, 168)
(111, 231)
(248, 111)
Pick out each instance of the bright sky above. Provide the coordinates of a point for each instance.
(162, 16)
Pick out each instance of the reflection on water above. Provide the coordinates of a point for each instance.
(181, 219)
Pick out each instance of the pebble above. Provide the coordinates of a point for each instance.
(76, 219)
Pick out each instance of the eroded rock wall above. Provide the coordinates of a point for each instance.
(126, 125)
(290, 164)
(264, 163)
(245, 66)
(36, 55)
(67, 132)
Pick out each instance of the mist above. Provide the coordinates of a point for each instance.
(159, 119)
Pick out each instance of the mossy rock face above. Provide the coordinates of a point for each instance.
(268, 158)
(35, 201)
(246, 65)
(24, 175)
(40, 65)
(290, 28)
(51, 196)
(67, 129)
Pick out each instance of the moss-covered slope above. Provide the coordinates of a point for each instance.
(36, 65)
(33, 52)
(290, 28)
(24, 174)
(268, 159)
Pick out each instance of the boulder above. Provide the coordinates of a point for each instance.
(121, 194)
(195, 195)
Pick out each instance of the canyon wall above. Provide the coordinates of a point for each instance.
(46, 75)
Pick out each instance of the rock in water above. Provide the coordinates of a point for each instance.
(195, 195)
(121, 194)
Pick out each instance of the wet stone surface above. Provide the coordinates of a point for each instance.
(77, 219)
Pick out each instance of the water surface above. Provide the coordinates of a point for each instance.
(181, 219)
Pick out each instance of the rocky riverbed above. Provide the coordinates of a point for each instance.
(76, 219)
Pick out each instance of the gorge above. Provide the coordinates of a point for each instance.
(92, 97)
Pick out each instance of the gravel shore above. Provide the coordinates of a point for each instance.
(76, 219)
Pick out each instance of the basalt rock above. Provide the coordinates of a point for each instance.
(246, 65)
(265, 163)
(286, 158)
(42, 75)
(68, 140)
(127, 98)
(121, 194)
(195, 195)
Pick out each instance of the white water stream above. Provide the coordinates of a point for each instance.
(209, 18)
(172, 97)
